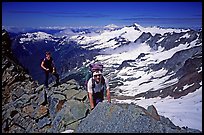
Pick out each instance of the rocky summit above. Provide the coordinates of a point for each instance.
(28, 107)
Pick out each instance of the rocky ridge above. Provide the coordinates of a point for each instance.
(128, 118)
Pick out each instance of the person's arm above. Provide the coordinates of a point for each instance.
(108, 94)
(53, 66)
(53, 70)
(42, 65)
(107, 90)
(91, 100)
(90, 91)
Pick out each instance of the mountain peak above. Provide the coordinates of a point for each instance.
(36, 36)
(111, 27)
(136, 24)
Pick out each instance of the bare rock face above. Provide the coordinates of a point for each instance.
(153, 112)
(127, 118)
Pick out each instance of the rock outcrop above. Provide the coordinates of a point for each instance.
(128, 118)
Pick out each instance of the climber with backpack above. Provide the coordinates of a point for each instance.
(97, 85)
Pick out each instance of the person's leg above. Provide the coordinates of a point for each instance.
(57, 78)
(98, 98)
(94, 101)
(46, 79)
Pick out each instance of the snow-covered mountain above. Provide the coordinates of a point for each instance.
(111, 39)
(111, 27)
(145, 65)
(154, 66)
(36, 36)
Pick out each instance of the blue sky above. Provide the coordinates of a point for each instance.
(49, 14)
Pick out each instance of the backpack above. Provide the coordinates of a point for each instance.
(96, 66)
(93, 67)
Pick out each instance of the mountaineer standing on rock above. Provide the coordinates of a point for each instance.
(48, 66)
(97, 85)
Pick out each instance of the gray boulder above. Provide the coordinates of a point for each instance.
(118, 118)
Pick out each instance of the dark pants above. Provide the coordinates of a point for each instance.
(47, 77)
(98, 97)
